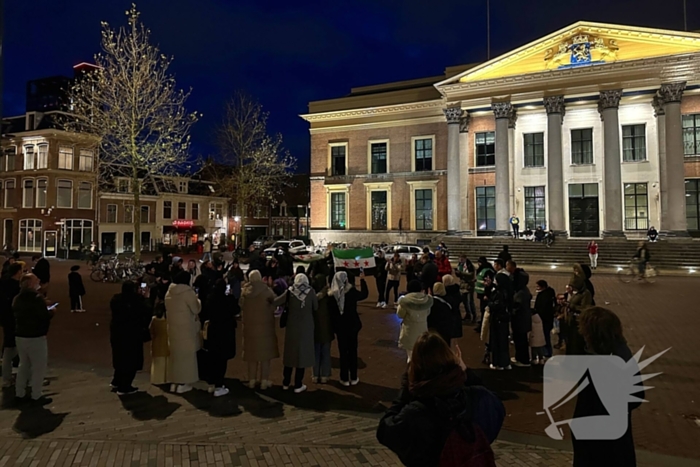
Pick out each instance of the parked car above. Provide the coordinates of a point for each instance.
(295, 247)
(265, 241)
(404, 250)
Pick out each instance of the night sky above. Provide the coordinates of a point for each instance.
(289, 53)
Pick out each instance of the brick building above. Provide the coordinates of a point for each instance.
(591, 130)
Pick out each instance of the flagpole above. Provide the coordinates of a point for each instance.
(488, 30)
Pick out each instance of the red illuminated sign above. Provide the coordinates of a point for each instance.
(183, 224)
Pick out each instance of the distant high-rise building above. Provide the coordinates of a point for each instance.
(47, 94)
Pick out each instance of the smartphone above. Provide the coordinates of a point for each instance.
(228, 289)
(52, 306)
(143, 285)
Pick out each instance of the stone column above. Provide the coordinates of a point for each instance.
(612, 169)
(505, 117)
(676, 222)
(555, 163)
(453, 115)
(660, 114)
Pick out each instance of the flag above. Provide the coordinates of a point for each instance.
(308, 257)
(354, 258)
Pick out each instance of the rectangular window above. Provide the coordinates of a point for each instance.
(379, 155)
(260, 212)
(111, 213)
(10, 157)
(379, 210)
(424, 154)
(129, 214)
(10, 194)
(167, 209)
(338, 211)
(65, 158)
(85, 195)
(145, 215)
(195, 211)
(42, 160)
(64, 194)
(181, 210)
(485, 149)
(30, 235)
(28, 157)
(424, 209)
(692, 203)
(338, 160)
(216, 211)
(87, 160)
(634, 145)
(28, 194)
(534, 149)
(636, 206)
(582, 146)
(691, 135)
(41, 187)
(485, 209)
(123, 185)
(535, 210)
(182, 187)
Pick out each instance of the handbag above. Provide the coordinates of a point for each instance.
(285, 312)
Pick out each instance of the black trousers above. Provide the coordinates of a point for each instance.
(499, 344)
(516, 230)
(381, 287)
(298, 376)
(547, 326)
(76, 302)
(522, 347)
(216, 370)
(392, 285)
(347, 347)
(123, 379)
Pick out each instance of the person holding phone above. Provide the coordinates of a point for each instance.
(76, 290)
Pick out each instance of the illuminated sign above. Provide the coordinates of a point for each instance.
(183, 224)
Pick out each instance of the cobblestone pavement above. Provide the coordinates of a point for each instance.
(657, 315)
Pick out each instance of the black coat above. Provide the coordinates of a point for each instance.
(504, 256)
(9, 289)
(454, 298)
(128, 331)
(75, 284)
(42, 270)
(220, 311)
(429, 274)
(522, 314)
(440, 318)
(545, 302)
(349, 322)
(380, 272)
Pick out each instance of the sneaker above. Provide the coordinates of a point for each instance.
(508, 368)
(252, 383)
(265, 385)
(183, 388)
(221, 392)
(355, 382)
(521, 365)
(345, 383)
(315, 379)
(173, 387)
(211, 389)
(300, 390)
(285, 388)
(80, 311)
(128, 391)
(72, 311)
(535, 361)
(379, 304)
(324, 380)
(493, 367)
(383, 304)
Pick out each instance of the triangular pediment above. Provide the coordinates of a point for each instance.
(583, 44)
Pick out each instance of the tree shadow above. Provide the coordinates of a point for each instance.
(35, 420)
(230, 404)
(142, 406)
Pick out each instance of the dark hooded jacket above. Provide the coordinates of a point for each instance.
(522, 315)
(440, 318)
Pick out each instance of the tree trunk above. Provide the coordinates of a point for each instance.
(242, 234)
(136, 190)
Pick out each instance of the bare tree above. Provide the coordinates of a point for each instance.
(131, 105)
(253, 168)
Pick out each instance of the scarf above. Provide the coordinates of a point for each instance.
(443, 384)
(301, 288)
(339, 287)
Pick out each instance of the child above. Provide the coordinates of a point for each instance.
(160, 350)
(76, 290)
(537, 341)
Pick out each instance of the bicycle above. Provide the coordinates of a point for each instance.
(631, 272)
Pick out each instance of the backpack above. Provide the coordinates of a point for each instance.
(459, 452)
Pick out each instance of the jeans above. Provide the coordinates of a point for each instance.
(594, 260)
(469, 306)
(217, 371)
(347, 346)
(322, 365)
(381, 288)
(8, 354)
(33, 358)
(516, 230)
(298, 377)
(392, 285)
(206, 256)
(123, 380)
(522, 347)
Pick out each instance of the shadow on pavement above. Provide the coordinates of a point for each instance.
(230, 405)
(142, 406)
(34, 420)
(507, 384)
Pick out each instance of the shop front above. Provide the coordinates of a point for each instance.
(183, 233)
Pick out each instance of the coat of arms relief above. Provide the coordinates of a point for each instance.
(582, 49)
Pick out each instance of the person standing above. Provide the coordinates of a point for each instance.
(127, 331)
(414, 309)
(498, 296)
(484, 270)
(454, 298)
(593, 253)
(206, 249)
(380, 277)
(32, 321)
(9, 289)
(182, 308)
(299, 353)
(220, 336)
(76, 290)
(536, 340)
(579, 300)
(467, 278)
(411, 268)
(193, 271)
(545, 301)
(440, 317)
(342, 306)
(515, 224)
(160, 351)
(429, 273)
(323, 325)
(393, 268)
(443, 265)
(522, 318)
(504, 255)
(42, 270)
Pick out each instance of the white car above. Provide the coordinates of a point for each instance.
(295, 247)
(404, 251)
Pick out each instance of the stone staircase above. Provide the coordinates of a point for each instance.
(612, 252)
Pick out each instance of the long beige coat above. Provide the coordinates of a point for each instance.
(182, 307)
(414, 309)
(259, 333)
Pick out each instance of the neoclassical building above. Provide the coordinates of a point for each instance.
(593, 130)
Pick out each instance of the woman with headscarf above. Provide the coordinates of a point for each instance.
(221, 336)
(414, 308)
(129, 326)
(182, 307)
(301, 303)
(454, 298)
(342, 306)
(259, 335)
(440, 317)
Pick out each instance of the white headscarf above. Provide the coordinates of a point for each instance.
(339, 287)
(254, 276)
(301, 287)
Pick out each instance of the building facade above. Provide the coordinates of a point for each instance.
(47, 187)
(593, 130)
